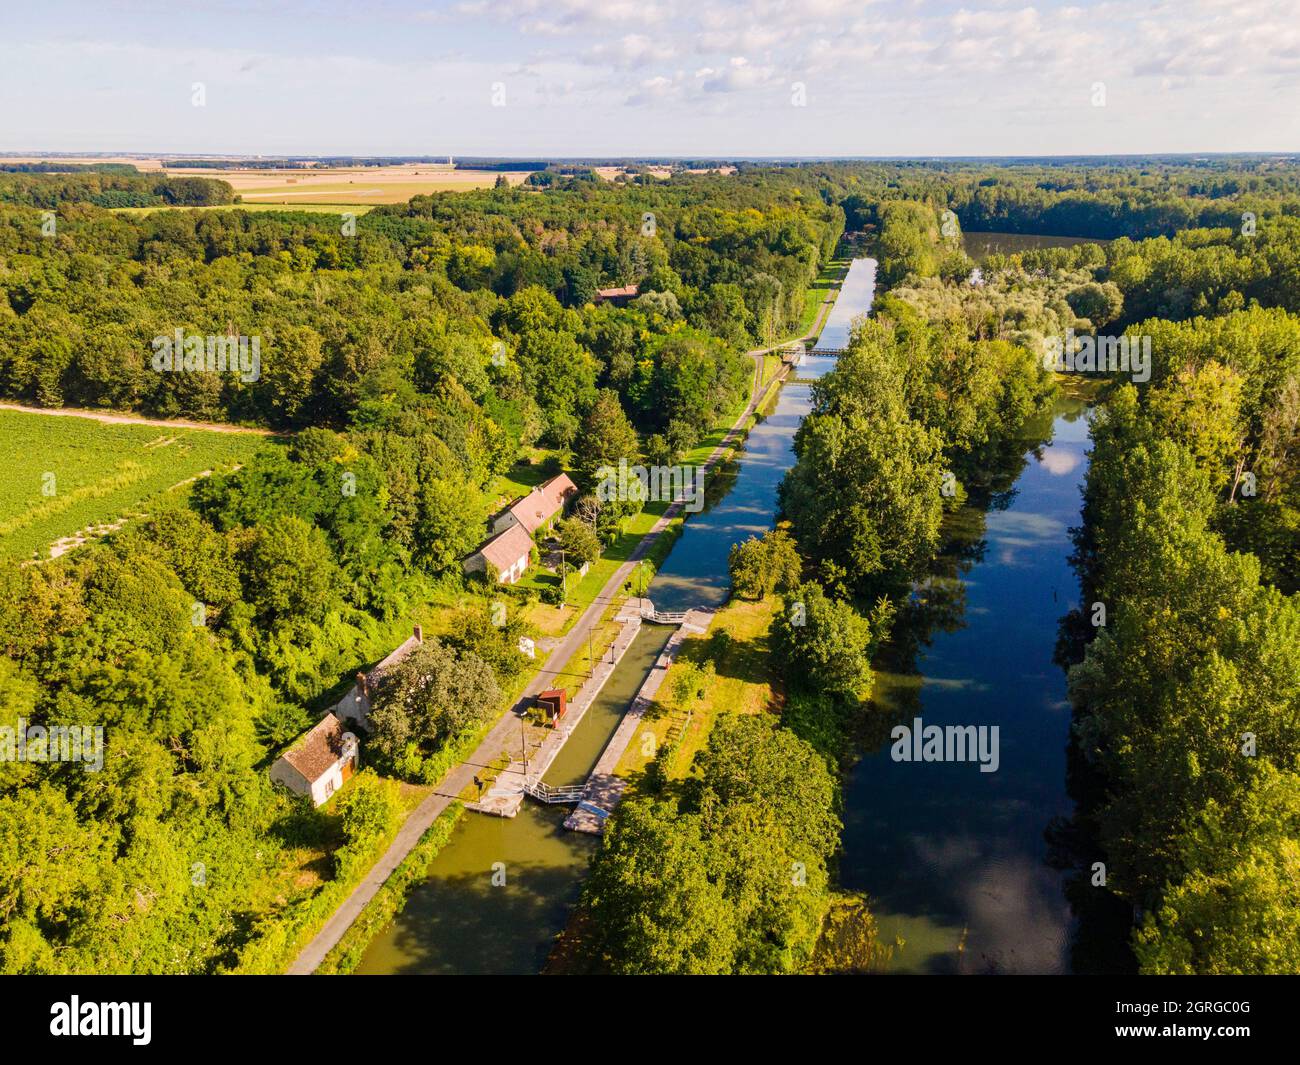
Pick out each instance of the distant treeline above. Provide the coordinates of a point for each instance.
(501, 164)
(48, 167)
(111, 189)
(1084, 200)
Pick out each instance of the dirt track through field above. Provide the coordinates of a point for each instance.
(114, 418)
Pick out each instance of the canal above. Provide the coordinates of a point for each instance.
(953, 859)
(457, 920)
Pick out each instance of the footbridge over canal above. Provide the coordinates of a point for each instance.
(600, 794)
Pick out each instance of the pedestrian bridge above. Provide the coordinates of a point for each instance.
(543, 792)
(647, 611)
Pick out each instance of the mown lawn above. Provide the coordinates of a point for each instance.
(736, 679)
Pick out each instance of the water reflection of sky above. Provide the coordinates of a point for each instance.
(854, 299)
(695, 573)
(954, 857)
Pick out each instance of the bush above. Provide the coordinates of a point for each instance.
(370, 811)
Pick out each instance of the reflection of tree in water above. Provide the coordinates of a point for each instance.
(938, 600)
(462, 924)
(1102, 920)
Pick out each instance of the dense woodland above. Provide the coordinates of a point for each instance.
(423, 355)
(1187, 700)
(414, 363)
(51, 185)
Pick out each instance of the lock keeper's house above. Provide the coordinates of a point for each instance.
(508, 550)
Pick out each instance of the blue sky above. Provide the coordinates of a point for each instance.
(651, 77)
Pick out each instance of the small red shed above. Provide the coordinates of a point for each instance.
(554, 701)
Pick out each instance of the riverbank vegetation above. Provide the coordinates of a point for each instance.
(387, 903)
(417, 353)
(1187, 697)
(413, 364)
(759, 806)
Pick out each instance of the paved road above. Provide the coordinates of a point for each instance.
(505, 733)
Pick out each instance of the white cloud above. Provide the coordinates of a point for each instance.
(630, 50)
(737, 75)
(883, 77)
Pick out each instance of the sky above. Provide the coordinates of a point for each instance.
(693, 78)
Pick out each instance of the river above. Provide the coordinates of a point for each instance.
(953, 858)
(909, 835)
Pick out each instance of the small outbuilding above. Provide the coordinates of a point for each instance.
(553, 702)
(320, 761)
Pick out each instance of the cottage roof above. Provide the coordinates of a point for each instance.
(314, 753)
(624, 291)
(541, 504)
(507, 548)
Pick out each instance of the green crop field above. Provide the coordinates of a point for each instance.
(65, 475)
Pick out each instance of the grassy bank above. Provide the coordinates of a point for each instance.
(726, 671)
(390, 898)
(829, 278)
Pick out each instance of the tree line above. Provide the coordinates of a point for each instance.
(206, 636)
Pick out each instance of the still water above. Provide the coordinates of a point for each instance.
(456, 921)
(953, 858)
(695, 574)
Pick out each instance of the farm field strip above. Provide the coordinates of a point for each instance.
(310, 208)
(345, 186)
(67, 475)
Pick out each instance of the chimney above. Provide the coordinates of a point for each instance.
(418, 633)
(362, 686)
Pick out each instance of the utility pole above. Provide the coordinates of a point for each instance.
(564, 582)
(523, 745)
